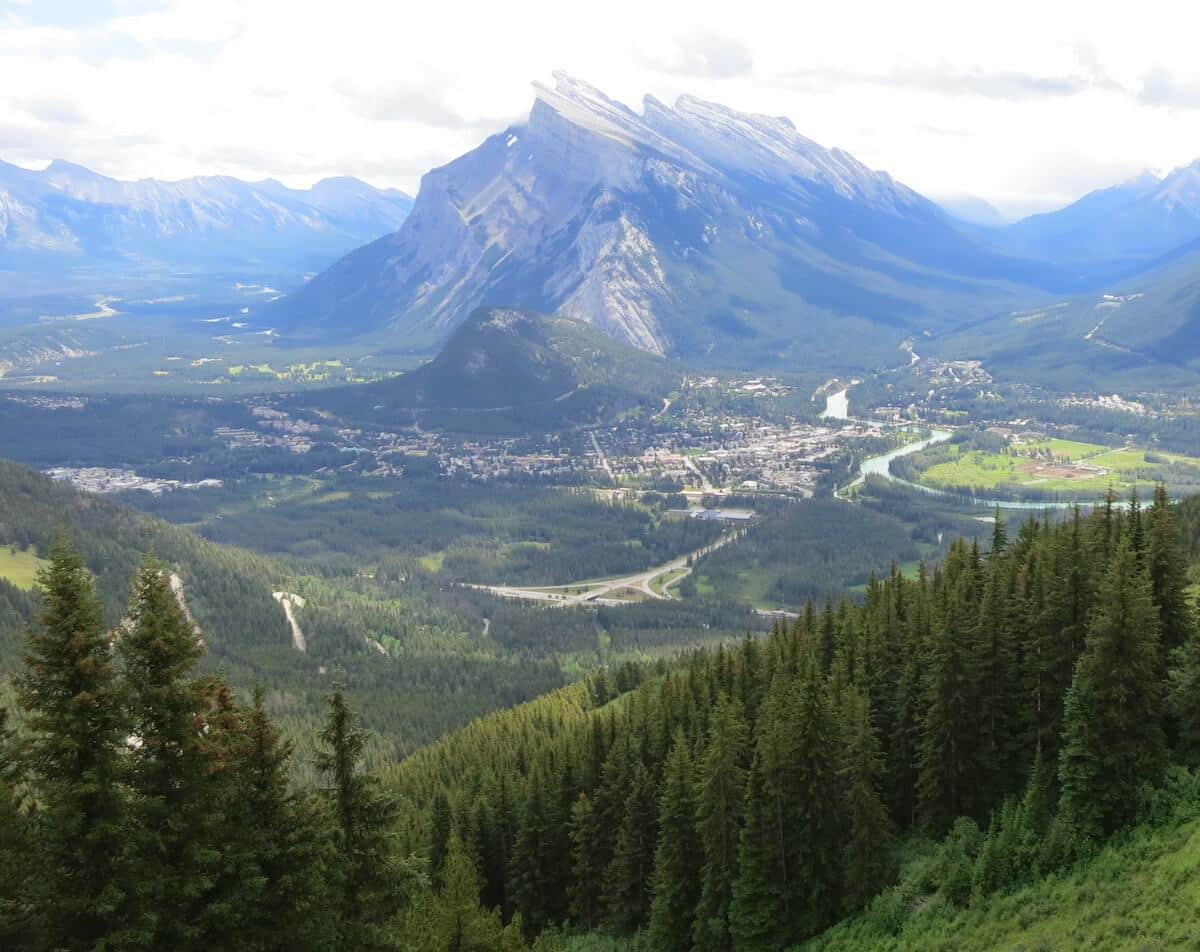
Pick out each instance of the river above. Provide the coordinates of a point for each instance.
(837, 407)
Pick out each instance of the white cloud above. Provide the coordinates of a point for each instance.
(1023, 103)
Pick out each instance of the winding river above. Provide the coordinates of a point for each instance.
(837, 407)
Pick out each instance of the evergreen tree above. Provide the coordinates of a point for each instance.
(176, 802)
(947, 741)
(629, 879)
(758, 905)
(454, 921)
(1184, 698)
(720, 802)
(18, 923)
(440, 823)
(587, 876)
(76, 726)
(866, 859)
(1167, 566)
(677, 859)
(995, 666)
(1112, 732)
(789, 873)
(284, 838)
(539, 866)
(373, 885)
(816, 873)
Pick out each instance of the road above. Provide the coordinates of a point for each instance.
(596, 593)
(603, 459)
(705, 485)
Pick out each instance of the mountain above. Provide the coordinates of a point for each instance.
(690, 229)
(505, 368)
(972, 210)
(1131, 223)
(1139, 334)
(66, 218)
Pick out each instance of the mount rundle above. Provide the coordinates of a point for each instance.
(676, 229)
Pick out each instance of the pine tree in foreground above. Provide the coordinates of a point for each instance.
(1184, 697)
(1113, 739)
(74, 719)
(176, 799)
(587, 876)
(677, 858)
(629, 879)
(278, 846)
(453, 920)
(372, 883)
(867, 851)
(718, 813)
(18, 925)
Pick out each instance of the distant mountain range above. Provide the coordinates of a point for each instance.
(65, 220)
(502, 369)
(972, 210)
(684, 230)
(692, 231)
(1128, 225)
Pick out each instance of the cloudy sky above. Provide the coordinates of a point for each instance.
(1026, 104)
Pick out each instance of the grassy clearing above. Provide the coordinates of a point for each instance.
(432, 563)
(20, 566)
(339, 495)
(1081, 468)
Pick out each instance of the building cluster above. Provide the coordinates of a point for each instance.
(48, 401)
(272, 428)
(100, 479)
(726, 454)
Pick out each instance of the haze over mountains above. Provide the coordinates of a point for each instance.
(66, 218)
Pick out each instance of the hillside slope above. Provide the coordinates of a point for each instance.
(1139, 334)
(504, 368)
(400, 649)
(1142, 893)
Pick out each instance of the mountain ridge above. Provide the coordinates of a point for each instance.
(67, 217)
(678, 230)
(1133, 223)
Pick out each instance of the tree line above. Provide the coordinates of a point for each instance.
(743, 798)
(143, 806)
(751, 797)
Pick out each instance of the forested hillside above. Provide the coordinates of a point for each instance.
(1024, 704)
(902, 763)
(401, 647)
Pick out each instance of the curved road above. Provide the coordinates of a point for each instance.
(596, 592)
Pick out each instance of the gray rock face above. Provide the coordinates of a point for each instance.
(630, 220)
(66, 216)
